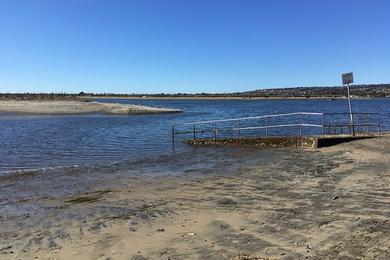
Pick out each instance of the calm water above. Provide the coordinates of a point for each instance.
(30, 142)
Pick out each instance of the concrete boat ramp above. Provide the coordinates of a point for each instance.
(285, 141)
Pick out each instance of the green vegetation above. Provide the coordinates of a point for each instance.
(364, 91)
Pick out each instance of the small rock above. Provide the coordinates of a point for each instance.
(191, 234)
(335, 197)
(226, 202)
(160, 229)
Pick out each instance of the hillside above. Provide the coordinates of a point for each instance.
(364, 91)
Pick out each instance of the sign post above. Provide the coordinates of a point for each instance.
(348, 79)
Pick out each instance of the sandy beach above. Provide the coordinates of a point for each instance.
(224, 203)
(78, 107)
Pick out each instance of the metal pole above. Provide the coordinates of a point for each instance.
(300, 124)
(194, 132)
(215, 130)
(266, 126)
(238, 129)
(350, 111)
(322, 125)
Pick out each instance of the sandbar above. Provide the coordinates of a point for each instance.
(78, 107)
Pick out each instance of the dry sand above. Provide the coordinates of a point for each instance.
(330, 203)
(78, 107)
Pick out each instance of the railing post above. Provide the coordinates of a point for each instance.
(367, 124)
(379, 124)
(194, 132)
(300, 124)
(266, 126)
(215, 130)
(238, 128)
(322, 119)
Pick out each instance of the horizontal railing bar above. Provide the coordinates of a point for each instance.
(349, 125)
(354, 113)
(276, 126)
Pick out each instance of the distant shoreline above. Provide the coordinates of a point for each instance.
(216, 98)
(78, 107)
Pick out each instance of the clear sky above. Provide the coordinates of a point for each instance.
(187, 46)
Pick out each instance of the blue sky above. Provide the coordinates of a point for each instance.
(187, 46)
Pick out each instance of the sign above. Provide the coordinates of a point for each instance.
(347, 78)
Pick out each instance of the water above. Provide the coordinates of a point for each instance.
(31, 142)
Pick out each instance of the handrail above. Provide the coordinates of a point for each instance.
(366, 124)
(247, 118)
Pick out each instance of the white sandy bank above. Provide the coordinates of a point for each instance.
(78, 107)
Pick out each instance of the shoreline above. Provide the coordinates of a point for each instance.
(220, 98)
(207, 203)
(78, 107)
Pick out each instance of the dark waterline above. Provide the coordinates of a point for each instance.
(31, 142)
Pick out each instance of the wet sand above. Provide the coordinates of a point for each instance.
(224, 203)
(78, 107)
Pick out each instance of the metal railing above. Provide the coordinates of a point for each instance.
(298, 123)
(362, 123)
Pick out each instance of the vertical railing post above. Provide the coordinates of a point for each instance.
(300, 124)
(266, 126)
(367, 124)
(322, 119)
(215, 130)
(194, 132)
(238, 128)
(379, 124)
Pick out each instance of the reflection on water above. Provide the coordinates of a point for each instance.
(44, 141)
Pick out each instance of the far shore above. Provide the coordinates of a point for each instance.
(215, 98)
(78, 107)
